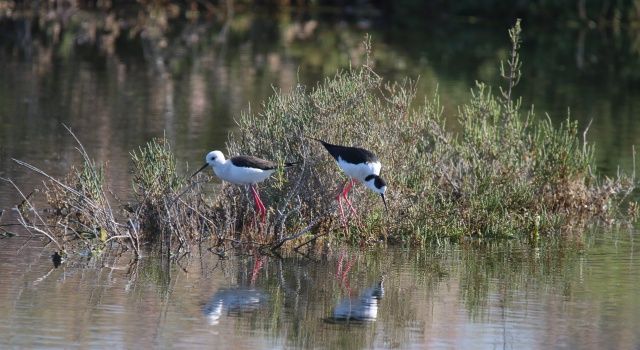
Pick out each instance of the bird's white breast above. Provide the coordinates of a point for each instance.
(359, 171)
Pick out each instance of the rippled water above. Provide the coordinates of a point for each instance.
(579, 294)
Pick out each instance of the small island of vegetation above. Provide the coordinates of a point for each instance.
(501, 172)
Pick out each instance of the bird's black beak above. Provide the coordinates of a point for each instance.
(199, 170)
(384, 201)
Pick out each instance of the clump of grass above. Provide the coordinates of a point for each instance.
(155, 182)
(155, 171)
(81, 214)
(86, 211)
(166, 206)
(165, 209)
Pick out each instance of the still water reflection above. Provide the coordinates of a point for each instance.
(579, 294)
(363, 308)
(233, 301)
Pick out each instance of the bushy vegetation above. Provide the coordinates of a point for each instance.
(504, 173)
(156, 185)
(79, 208)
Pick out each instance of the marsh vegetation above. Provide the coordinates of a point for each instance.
(505, 173)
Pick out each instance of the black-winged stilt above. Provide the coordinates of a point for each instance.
(359, 164)
(242, 170)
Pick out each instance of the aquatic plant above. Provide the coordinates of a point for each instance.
(155, 182)
(80, 211)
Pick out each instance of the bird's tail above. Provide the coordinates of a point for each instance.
(313, 138)
(323, 142)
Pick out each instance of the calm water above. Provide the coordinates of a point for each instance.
(188, 82)
(583, 294)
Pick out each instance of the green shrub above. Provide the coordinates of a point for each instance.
(504, 174)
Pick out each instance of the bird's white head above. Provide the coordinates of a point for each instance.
(214, 158)
(377, 185)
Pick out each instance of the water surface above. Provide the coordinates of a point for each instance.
(581, 294)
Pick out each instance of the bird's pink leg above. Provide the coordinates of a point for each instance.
(255, 200)
(339, 199)
(343, 219)
(347, 188)
(346, 198)
(262, 210)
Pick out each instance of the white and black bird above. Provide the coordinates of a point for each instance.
(359, 164)
(242, 170)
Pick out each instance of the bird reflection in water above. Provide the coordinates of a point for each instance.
(233, 302)
(238, 300)
(362, 309)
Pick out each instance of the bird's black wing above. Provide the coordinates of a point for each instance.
(353, 155)
(252, 162)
